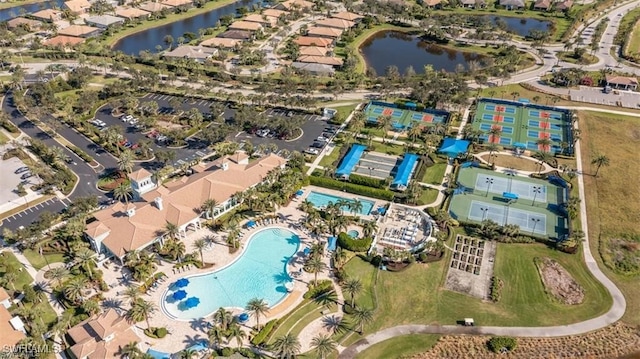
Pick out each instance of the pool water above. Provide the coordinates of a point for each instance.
(353, 233)
(259, 272)
(320, 200)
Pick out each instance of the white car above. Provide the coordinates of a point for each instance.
(322, 139)
(126, 118)
(262, 133)
(312, 151)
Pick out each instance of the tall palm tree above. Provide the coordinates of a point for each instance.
(385, 123)
(362, 316)
(235, 332)
(188, 353)
(600, 161)
(369, 227)
(257, 307)
(492, 148)
(357, 123)
(132, 292)
(352, 286)
(125, 161)
(84, 260)
(216, 336)
(130, 351)
(356, 206)
(315, 265)
(224, 317)
(123, 192)
(171, 230)
(494, 133)
(209, 206)
(414, 132)
(74, 289)
(141, 310)
(91, 307)
(58, 273)
(324, 345)
(200, 244)
(286, 347)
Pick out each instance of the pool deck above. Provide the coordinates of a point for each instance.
(369, 217)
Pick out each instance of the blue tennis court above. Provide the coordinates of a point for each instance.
(485, 126)
(508, 119)
(532, 145)
(499, 185)
(377, 110)
(505, 141)
(534, 123)
(528, 221)
(533, 133)
(487, 117)
(507, 130)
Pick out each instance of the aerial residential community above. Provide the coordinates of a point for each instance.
(319, 179)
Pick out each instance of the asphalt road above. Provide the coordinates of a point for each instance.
(87, 176)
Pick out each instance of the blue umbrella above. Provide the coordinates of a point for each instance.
(182, 282)
(191, 302)
(179, 295)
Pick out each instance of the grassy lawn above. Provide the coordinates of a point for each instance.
(587, 59)
(310, 317)
(434, 174)
(304, 309)
(328, 160)
(400, 347)
(428, 196)
(416, 295)
(38, 261)
(508, 161)
(612, 216)
(366, 273)
(22, 277)
(344, 111)
(388, 148)
(17, 3)
(3, 138)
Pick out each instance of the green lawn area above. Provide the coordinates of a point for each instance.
(388, 148)
(428, 196)
(400, 347)
(310, 317)
(434, 174)
(38, 261)
(366, 273)
(344, 111)
(328, 160)
(3, 138)
(304, 309)
(22, 278)
(587, 59)
(416, 295)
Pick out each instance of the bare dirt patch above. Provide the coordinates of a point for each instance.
(511, 161)
(558, 282)
(610, 342)
(168, 125)
(471, 267)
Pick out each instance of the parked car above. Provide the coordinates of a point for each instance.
(262, 133)
(318, 144)
(312, 151)
(322, 139)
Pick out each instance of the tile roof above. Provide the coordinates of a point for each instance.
(336, 23)
(19, 21)
(313, 50)
(324, 31)
(3, 295)
(325, 60)
(153, 6)
(245, 25)
(77, 5)
(621, 80)
(139, 175)
(261, 19)
(176, 3)
(346, 15)
(274, 12)
(9, 336)
(300, 4)
(220, 42)
(131, 13)
(78, 30)
(63, 40)
(47, 14)
(89, 336)
(313, 41)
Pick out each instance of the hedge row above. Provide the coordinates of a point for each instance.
(321, 288)
(264, 332)
(85, 157)
(367, 181)
(355, 245)
(9, 126)
(157, 333)
(351, 188)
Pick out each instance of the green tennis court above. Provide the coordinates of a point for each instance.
(523, 125)
(403, 118)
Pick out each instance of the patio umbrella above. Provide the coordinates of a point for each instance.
(179, 295)
(182, 282)
(251, 224)
(191, 302)
(300, 193)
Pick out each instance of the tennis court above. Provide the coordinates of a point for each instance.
(535, 208)
(524, 125)
(403, 118)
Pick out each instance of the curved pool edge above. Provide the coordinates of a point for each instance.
(163, 301)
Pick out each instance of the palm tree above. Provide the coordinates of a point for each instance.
(132, 292)
(125, 161)
(257, 307)
(141, 310)
(492, 148)
(84, 260)
(123, 192)
(315, 265)
(130, 351)
(171, 230)
(385, 122)
(544, 143)
(286, 347)
(352, 286)
(414, 132)
(494, 133)
(235, 332)
(600, 161)
(75, 288)
(324, 345)
(362, 316)
(306, 206)
(209, 206)
(188, 353)
(368, 228)
(58, 273)
(216, 336)
(224, 317)
(200, 244)
(91, 307)
(357, 123)
(356, 206)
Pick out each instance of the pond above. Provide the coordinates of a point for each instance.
(150, 38)
(517, 25)
(13, 12)
(387, 48)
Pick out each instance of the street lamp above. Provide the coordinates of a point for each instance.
(370, 170)
(536, 190)
(489, 182)
(535, 222)
(484, 212)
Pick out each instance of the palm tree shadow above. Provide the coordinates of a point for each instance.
(112, 303)
(200, 325)
(281, 278)
(193, 340)
(334, 324)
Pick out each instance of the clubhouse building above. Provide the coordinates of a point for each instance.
(123, 228)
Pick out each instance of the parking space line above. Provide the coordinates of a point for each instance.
(19, 214)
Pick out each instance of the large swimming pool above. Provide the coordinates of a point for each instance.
(259, 272)
(320, 200)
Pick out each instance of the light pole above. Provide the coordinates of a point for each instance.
(370, 170)
(535, 222)
(536, 191)
(484, 212)
(489, 182)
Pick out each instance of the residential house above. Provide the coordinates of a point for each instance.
(314, 69)
(12, 329)
(513, 4)
(336, 23)
(264, 20)
(563, 5)
(103, 21)
(274, 13)
(27, 24)
(237, 35)
(245, 26)
(77, 7)
(120, 229)
(178, 3)
(324, 60)
(132, 13)
(5, 298)
(432, 3)
(47, 15)
(328, 32)
(63, 41)
(314, 41)
(221, 43)
(542, 5)
(313, 51)
(473, 4)
(101, 337)
(291, 5)
(621, 82)
(80, 31)
(197, 53)
(153, 7)
(349, 16)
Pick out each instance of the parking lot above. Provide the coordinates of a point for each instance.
(14, 172)
(629, 99)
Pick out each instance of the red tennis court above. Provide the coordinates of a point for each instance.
(545, 125)
(500, 108)
(498, 118)
(544, 135)
(545, 115)
(427, 118)
(387, 112)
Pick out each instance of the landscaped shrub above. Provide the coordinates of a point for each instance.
(348, 309)
(262, 335)
(351, 188)
(226, 352)
(496, 288)
(85, 157)
(322, 287)
(355, 245)
(157, 333)
(500, 344)
(9, 126)
(367, 181)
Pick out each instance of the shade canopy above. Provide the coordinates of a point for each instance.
(192, 302)
(251, 223)
(453, 147)
(243, 317)
(182, 282)
(300, 193)
(179, 295)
